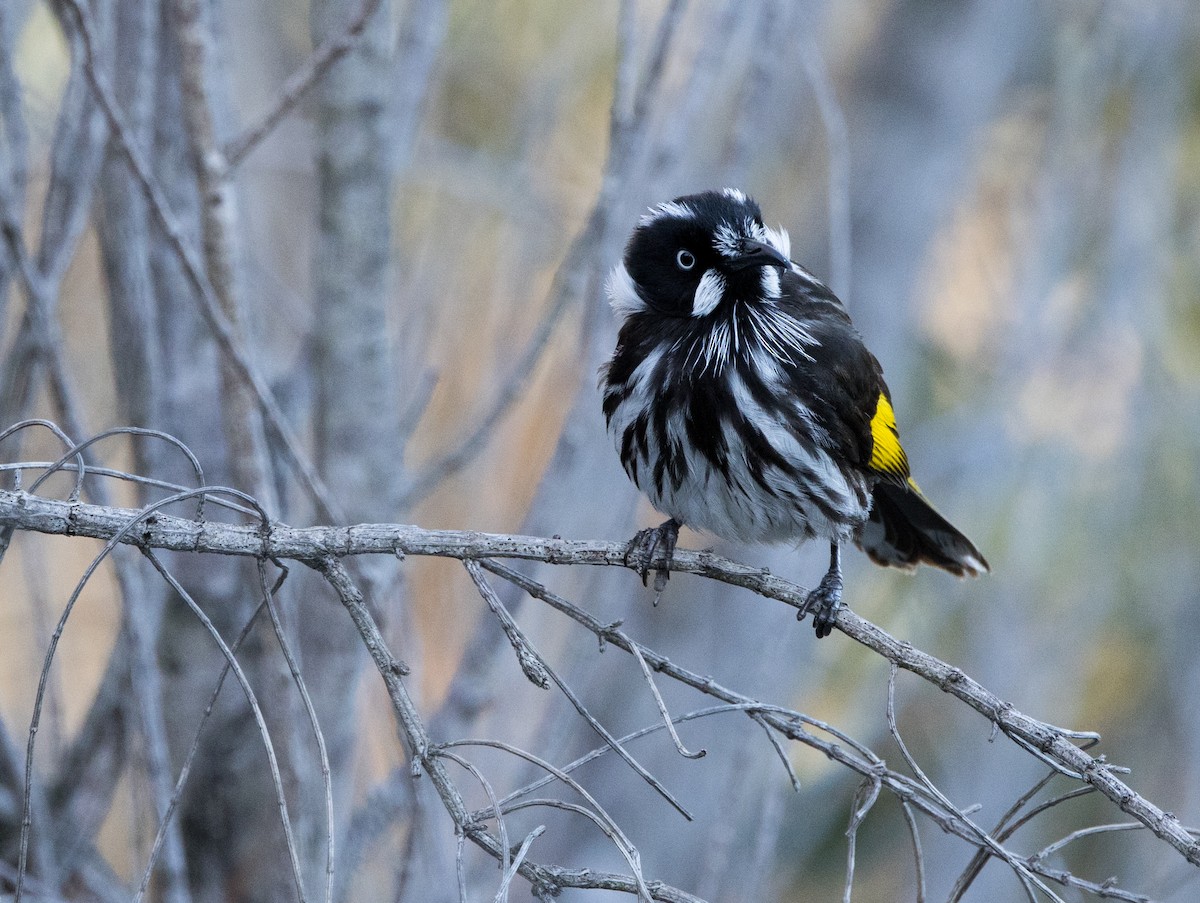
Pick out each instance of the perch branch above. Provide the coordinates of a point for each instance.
(1054, 744)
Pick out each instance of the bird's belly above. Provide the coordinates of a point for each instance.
(740, 496)
(740, 508)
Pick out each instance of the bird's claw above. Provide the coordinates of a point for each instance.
(824, 603)
(643, 548)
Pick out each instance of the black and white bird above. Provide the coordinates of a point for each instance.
(743, 402)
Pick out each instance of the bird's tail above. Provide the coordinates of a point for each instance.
(904, 530)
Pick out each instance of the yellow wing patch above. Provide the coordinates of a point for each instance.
(887, 455)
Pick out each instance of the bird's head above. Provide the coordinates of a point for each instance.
(691, 256)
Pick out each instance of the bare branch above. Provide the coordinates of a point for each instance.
(48, 516)
(502, 893)
(310, 713)
(636, 650)
(527, 658)
(426, 757)
(539, 668)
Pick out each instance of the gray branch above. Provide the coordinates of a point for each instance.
(1055, 745)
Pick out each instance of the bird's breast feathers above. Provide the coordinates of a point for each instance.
(735, 449)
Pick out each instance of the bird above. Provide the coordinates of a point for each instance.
(743, 402)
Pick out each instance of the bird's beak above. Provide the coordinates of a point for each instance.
(758, 254)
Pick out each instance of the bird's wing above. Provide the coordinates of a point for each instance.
(841, 382)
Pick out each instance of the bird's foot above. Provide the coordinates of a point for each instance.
(824, 602)
(643, 547)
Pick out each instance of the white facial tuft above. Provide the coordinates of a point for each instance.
(670, 209)
(727, 241)
(734, 195)
(779, 240)
(770, 282)
(708, 293)
(622, 293)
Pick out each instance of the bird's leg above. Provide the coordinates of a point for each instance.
(646, 543)
(826, 599)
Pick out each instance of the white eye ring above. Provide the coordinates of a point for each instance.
(685, 259)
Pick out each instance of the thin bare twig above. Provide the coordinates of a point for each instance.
(864, 799)
(530, 662)
(749, 708)
(426, 760)
(310, 712)
(542, 668)
(918, 854)
(511, 871)
(636, 650)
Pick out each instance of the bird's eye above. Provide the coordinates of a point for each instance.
(685, 259)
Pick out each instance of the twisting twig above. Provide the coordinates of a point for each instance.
(81, 470)
(594, 811)
(259, 720)
(662, 706)
(80, 466)
(185, 770)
